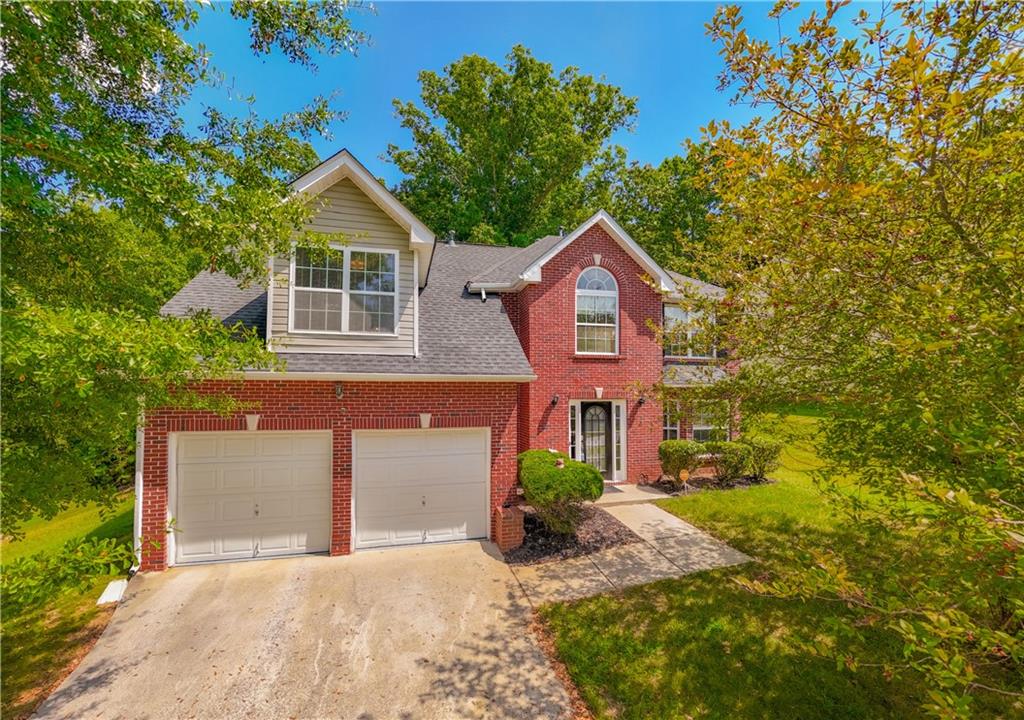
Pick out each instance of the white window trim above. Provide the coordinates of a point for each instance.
(667, 425)
(711, 428)
(345, 293)
(689, 339)
(575, 411)
(600, 293)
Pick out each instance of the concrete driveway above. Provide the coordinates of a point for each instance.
(433, 632)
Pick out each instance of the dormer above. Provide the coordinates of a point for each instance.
(363, 298)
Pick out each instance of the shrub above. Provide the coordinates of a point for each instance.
(556, 486)
(729, 459)
(33, 580)
(679, 455)
(762, 455)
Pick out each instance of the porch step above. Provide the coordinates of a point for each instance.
(627, 494)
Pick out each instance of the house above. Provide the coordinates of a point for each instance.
(416, 371)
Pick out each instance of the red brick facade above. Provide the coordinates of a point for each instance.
(520, 416)
(544, 316)
(312, 405)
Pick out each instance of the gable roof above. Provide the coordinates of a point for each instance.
(344, 164)
(526, 267)
(460, 334)
(700, 287)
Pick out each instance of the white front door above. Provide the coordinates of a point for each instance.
(420, 486)
(246, 495)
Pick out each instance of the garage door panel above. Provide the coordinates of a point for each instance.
(414, 487)
(242, 446)
(304, 476)
(242, 495)
(198, 479)
(238, 543)
(276, 446)
(238, 478)
(199, 448)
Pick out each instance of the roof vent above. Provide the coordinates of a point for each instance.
(561, 231)
(451, 238)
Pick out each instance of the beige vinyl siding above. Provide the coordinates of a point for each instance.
(348, 210)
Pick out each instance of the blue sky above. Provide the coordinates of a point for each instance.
(658, 53)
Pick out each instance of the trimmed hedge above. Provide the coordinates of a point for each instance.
(729, 459)
(556, 487)
(679, 455)
(763, 455)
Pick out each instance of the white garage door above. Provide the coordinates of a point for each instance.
(246, 495)
(420, 486)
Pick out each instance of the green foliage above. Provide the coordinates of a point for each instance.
(109, 204)
(729, 459)
(31, 580)
(870, 231)
(556, 486)
(679, 455)
(666, 209)
(762, 455)
(518, 147)
(671, 649)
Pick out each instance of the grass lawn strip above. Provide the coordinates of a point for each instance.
(703, 647)
(41, 646)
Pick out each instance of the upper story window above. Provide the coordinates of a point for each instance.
(597, 313)
(344, 291)
(687, 343)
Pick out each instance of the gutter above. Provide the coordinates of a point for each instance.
(383, 377)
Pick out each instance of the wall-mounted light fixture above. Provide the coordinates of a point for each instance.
(641, 400)
(554, 400)
(339, 390)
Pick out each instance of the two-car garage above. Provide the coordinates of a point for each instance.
(243, 495)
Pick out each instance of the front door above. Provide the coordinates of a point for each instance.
(597, 437)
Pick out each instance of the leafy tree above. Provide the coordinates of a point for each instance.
(871, 231)
(517, 149)
(665, 209)
(109, 202)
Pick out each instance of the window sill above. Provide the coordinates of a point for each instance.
(598, 356)
(329, 334)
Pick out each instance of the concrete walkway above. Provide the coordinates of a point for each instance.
(628, 494)
(670, 547)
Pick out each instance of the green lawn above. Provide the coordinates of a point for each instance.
(703, 647)
(41, 645)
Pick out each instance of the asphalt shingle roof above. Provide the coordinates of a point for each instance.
(514, 262)
(220, 294)
(460, 334)
(699, 286)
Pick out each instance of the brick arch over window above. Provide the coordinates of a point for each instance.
(597, 312)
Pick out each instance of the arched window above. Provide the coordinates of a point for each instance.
(597, 313)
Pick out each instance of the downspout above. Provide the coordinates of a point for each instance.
(140, 437)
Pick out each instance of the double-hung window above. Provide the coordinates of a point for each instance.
(344, 291)
(710, 421)
(597, 313)
(670, 422)
(683, 335)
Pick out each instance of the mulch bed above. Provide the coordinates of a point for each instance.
(702, 482)
(597, 531)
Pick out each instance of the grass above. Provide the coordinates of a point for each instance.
(41, 645)
(703, 647)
